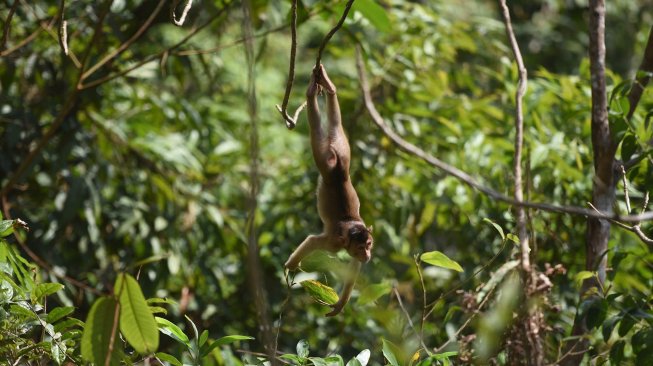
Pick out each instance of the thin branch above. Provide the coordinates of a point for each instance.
(40, 261)
(173, 7)
(333, 31)
(469, 180)
(114, 331)
(466, 323)
(522, 229)
(7, 28)
(291, 122)
(641, 79)
(28, 39)
(147, 59)
(126, 44)
(63, 28)
(421, 280)
(61, 117)
(410, 321)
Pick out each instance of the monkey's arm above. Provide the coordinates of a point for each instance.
(310, 244)
(355, 267)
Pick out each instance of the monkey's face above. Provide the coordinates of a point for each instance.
(360, 243)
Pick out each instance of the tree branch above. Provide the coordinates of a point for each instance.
(126, 44)
(643, 76)
(291, 122)
(469, 180)
(333, 31)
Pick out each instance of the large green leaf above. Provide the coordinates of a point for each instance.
(375, 13)
(438, 259)
(137, 323)
(320, 292)
(96, 338)
(170, 329)
(390, 353)
(45, 289)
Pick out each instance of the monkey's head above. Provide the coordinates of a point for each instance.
(359, 241)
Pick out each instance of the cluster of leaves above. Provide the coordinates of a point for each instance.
(33, 333)
(152, 168)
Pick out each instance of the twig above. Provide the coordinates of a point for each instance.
(28, 39)
(410, 321)
(40, 261)
(63, 28)
(466, 323)
(625, 182)
(173, 7)
(522, 229)
(147, 59)
(421, 280)
(469, 180)
(333, 31)
(641, 80)
(125, 45)
(291, 122)
(114, 331)
(7, 28)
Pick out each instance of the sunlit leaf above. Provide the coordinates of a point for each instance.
(320, 292)
(137, 323)
(97, 337)
(390, 353)
(439, 259)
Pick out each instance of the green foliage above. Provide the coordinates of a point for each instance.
(150, 172)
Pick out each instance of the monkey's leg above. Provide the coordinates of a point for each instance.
(310, 244)
(337, 138)
(355, 267)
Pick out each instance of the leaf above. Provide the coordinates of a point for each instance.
(6, 228)
(223, 341)
(375, 13)
(438, 259)
(136, 321)
(168, 358)
(617, 352)
(203, 337)
(45, 289)
(372, 293)
(608, 326)
(582, 276)
(58, 313)
(320, 292)
(172, 330)
(96, 338)
(302, 348)
(497, 227)
(363, 357)
(389, 350)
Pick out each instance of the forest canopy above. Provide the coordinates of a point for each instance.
(156, 174)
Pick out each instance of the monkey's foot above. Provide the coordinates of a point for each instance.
(323, 80)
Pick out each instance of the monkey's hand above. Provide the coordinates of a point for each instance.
(320, 76)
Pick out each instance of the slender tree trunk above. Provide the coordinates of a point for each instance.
(257, 288)
(603, 187)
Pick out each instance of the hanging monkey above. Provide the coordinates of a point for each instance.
(337, 201)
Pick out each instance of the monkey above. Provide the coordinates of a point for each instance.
(337, 202)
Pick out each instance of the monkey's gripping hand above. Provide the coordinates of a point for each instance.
(355, 267)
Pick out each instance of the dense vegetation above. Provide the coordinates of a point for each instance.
(148, 182)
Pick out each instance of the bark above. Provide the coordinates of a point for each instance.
(603, 188)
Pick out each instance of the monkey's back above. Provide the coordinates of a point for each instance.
(337, 199)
